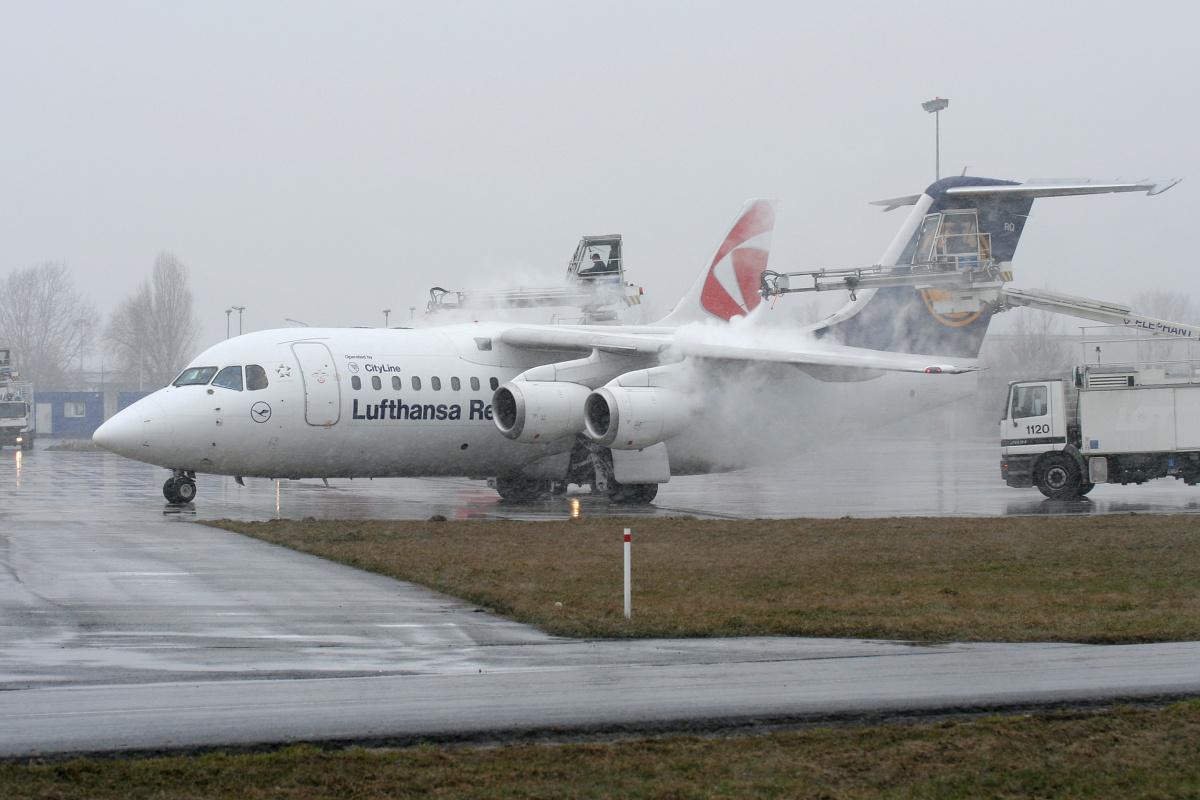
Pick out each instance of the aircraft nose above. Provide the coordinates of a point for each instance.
(123, 433)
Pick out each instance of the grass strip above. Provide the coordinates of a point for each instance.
(1105, 579)
(1128, 753)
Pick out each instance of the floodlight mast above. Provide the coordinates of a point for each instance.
(935, 107)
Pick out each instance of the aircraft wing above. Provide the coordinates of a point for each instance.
(585, 340)
(832, 358)
(826, 360)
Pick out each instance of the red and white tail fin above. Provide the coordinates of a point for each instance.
(729, 285)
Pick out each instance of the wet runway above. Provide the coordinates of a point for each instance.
(126, 627)
(878, 476)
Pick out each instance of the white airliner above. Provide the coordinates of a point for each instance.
(710, 387)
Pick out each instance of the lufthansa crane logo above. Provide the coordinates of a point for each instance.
(260, 412)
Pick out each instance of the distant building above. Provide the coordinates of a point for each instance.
(78, 413)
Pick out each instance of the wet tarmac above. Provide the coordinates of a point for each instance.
(127, 628)
(880, 476)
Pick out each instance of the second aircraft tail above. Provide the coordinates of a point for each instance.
(957, 223)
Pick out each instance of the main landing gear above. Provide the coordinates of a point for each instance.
(180, 488)
(590, 465)
(518, 489)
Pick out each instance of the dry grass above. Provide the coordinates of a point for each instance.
(1085, 579)
(1125, 753)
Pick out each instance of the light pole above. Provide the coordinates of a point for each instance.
(239, 309)
(935, 107)
(386, 311)
(411, 310)
(228, 311)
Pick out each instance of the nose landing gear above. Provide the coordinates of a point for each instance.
(180, 488)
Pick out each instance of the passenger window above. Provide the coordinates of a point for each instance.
(376, 383)
(256, 377)
(474, 384)
(416, 382)
(455, 384)
(229, 378)
(495, 384)
(396, 382)
(195, 376)
(355, 382)
(436, 383)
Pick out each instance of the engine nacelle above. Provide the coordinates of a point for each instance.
(635, 417)
(539, 411)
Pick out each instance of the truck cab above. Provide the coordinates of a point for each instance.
(1039, 440)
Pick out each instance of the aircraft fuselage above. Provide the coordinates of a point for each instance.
(338, 402)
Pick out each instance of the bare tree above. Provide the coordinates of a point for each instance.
(45, 321)
(1171, 306)
(1169, 353)
(1037, 348)
(153, 332)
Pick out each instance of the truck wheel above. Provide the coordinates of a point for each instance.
(1057, 476)
(1085, 488)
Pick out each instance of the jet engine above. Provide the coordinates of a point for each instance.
(635, 417)
(539, 411)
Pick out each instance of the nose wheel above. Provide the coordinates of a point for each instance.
(180, 488)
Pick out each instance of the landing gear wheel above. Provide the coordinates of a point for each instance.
(520, 489)
(186, 489)
(179, 491)
(1057, 476)
(632, 494)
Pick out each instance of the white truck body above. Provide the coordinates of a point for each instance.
(1125, 423)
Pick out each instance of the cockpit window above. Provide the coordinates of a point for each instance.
(229, 378)
(256, 377)
(195, 376)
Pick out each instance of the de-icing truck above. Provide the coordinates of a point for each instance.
(16, 407)
(1127, 420)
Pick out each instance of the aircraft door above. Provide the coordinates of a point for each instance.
(322, 392)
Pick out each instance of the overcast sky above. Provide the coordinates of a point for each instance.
(324, 161)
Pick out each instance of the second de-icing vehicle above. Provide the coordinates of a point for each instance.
(713, 386)
(594, 292)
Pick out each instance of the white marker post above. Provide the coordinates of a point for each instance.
(628, 587)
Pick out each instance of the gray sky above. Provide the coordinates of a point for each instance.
(325, 161)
